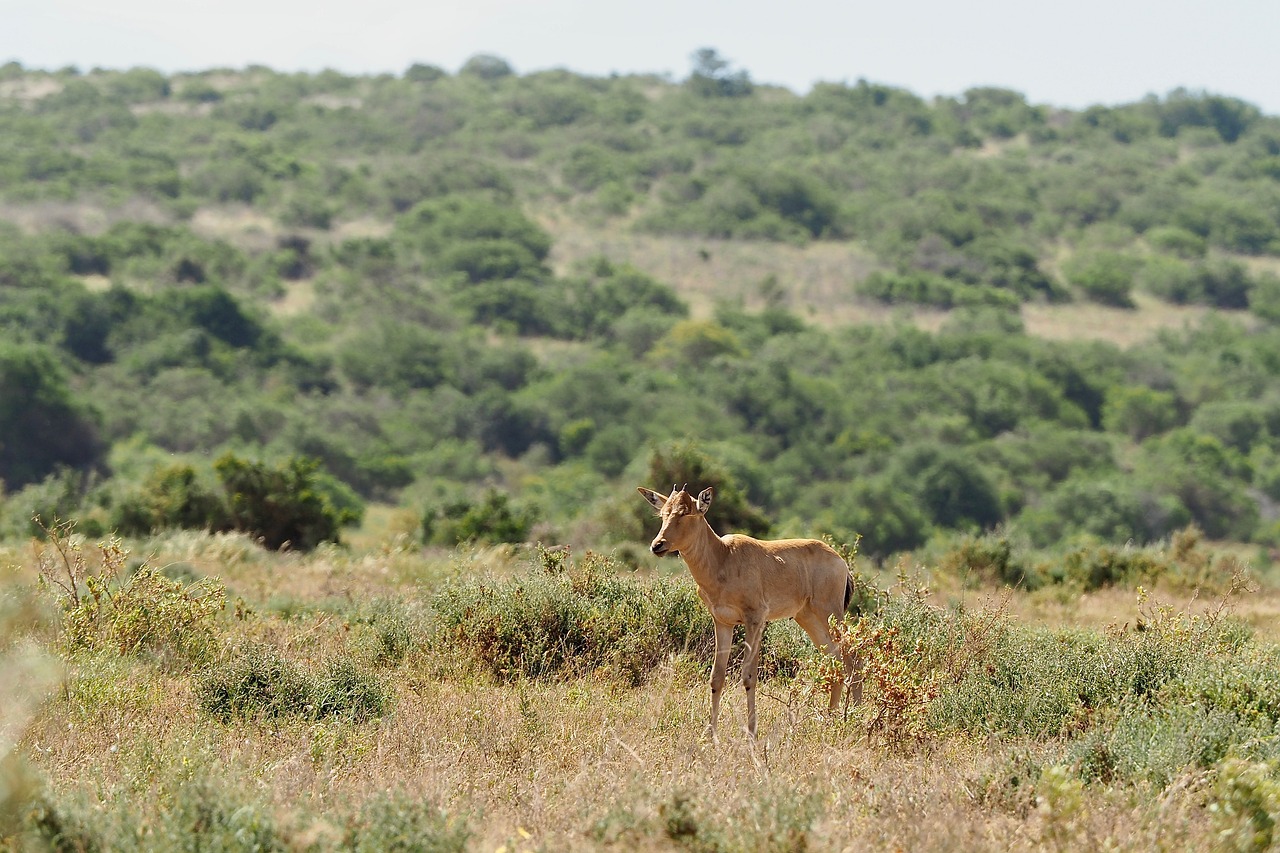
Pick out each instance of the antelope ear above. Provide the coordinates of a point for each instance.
(704, 499)
(658, 501)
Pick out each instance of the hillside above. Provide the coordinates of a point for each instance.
(495, 303)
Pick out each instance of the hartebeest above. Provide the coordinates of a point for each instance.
(745, 581)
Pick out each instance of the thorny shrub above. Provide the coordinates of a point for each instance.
(900, 687)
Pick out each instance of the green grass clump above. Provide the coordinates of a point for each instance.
(194, 814)
(398, 823)
(254, 681)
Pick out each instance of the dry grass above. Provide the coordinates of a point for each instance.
(582, 764)
(1120, 326)
(241, 225)
(29, 89)
(816, 281)
(586, 766)
(83, 217)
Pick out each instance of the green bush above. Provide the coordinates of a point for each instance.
(287, 505)
(990, 559)
(492, 520)
(1139, 411)
(146, 613)
(395, 822)
(172, 496)
(254, 681)
(683, 463)
(1221, 283)
(43, 426)
(567, 620)
(197, 814)
(1106, 508)
(1105, 277)
(391, 630)
(344, 689)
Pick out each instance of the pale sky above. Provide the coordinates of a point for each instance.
(1067, 54)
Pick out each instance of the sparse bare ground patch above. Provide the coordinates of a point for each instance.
(85, 217)
(299, 296)
(29, 88)
(1121, 326)
(239, 224)
(816, 281)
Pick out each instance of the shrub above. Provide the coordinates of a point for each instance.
(171, 497)
(1104, 276)
(1264, 298)
(345, 690)
(683, 462)
(255, 681)
(287, 505)
(1139, 412)
(949, 485)
(401, 823)
(492, 520)
(569, 620)
(145, 614)
(1246, 804)
(911, 286)
(989, 558)
(392, 630)
(197, 814)
(1142, 703)
(1107, 509)
(42, 425)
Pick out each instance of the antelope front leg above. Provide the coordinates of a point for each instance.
(750, 668)
(724, 644)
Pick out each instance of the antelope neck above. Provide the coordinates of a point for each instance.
(707, 553)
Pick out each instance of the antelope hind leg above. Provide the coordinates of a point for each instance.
(751, 669)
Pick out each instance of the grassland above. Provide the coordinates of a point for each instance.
(374, 722)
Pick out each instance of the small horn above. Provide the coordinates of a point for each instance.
(685, 487)
(674, 489)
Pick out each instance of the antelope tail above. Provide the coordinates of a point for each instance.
(848, 592)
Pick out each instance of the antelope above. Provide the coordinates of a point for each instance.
(749, 582)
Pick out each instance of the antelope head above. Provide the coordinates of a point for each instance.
(681, 517)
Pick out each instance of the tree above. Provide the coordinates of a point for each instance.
(42, 427)
(684, 463)
(950, 485)
(711, 77)
(486, 66)
(1105, 277)
(287, 505)
(492, 520)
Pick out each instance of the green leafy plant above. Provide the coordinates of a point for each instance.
(142, 612)
(286, 505)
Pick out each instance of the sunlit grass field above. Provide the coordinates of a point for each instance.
(205, 694)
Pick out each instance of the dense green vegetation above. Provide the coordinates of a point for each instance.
(395, 331)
